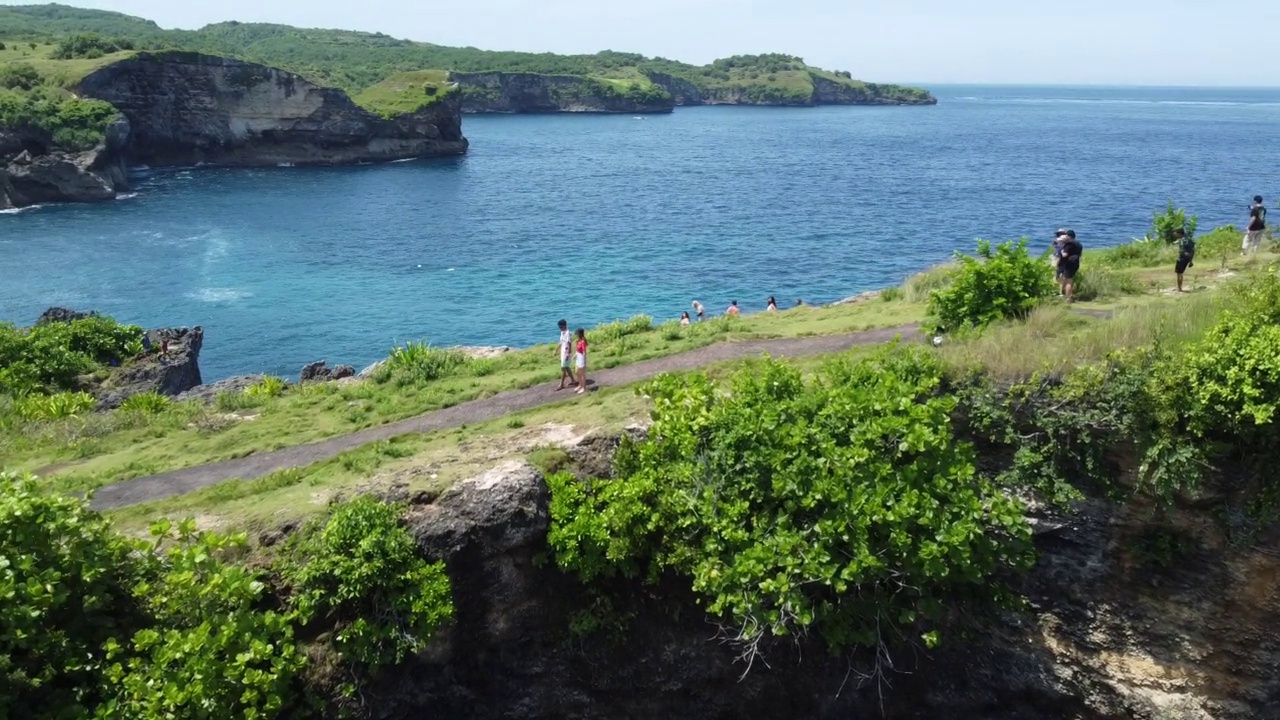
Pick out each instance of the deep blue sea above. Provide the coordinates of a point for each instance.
(598, 217)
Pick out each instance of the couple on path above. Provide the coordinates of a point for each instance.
(577, 351)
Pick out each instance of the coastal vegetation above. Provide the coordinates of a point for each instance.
(356, 61)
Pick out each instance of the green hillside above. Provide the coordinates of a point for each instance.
(355, 61)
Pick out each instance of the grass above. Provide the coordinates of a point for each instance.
(104, 448)
(63, 73)
(405, 93)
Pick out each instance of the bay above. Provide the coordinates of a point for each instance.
(594, 217)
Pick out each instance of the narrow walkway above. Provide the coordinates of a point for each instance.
(179, 482)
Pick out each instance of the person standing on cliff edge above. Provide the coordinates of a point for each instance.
(566, 343)
(1257, 227)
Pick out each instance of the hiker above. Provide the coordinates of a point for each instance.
(1186, 254)
(1069, 264)
(566, 370)
(580, 360)
(1257, 227)
(1056, 259)
(684, 318)
(733, 309)
(700, 310)
(772, 305)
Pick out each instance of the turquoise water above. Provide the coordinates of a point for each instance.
(597, 217)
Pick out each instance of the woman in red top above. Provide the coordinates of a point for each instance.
(580, 360)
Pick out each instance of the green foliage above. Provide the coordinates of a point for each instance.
(19, 76)
(842, 505)
(361, 572)
(89, 45)
(150, 403)
(267, 388)
(51, 357)
(1220, 244)
(1165, 224)
(619, 329)
(1098, 283)
(1006, 283)
(210, 652)
(59, 406)
(65, 581)
(416, 362)
(550, 459)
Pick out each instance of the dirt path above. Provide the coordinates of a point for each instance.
(178, 482)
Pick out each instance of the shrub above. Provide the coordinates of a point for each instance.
(361, 571)
(60, 406)
(1165, 224)
(19, 76)
(1220, 244)
(842, 505)
(619, 329)
(89, 45)
(996, 285)
(151, 403)
(416, 362)
(65, 580)
(267, 388)
(51, 357)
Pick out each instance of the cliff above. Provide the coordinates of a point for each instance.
(34, 170)
(188, 108)
(802, 88)
(1116, 629)
(518, 92)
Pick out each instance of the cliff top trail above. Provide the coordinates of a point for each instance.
(177, 482)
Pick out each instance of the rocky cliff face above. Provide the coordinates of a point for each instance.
(503, 92)
(1110, 635)
(681, 90)
(188, 108)
(825, 92)
(32, 171)
(829, 92)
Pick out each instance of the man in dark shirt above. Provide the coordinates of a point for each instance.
(1186, 254)
(1069, 264)
(1257, 226)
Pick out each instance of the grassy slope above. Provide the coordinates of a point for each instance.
(1053, 338)
(355, 61)
(63, 73)
(405, 92)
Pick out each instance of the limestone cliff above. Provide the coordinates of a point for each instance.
(507, 92)
(188, 108)
(810, 89)
(1117, 629)
(33, 170)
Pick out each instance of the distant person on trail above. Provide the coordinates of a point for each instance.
(1056, 259)
(799, 303)
(580, 360)
(684, 318)
(772, 305)
(1257, 226)
(1069, 264)
(733, 309)
(1186, 254)
(700, 310)
(566, 344)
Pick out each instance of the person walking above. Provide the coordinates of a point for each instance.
(772, 305)
(1257, 227)
(580, 360)
(565, 347)
(1056, 258)
(733, 310)
(1069, 264)
(700, 310)
(1186, 254)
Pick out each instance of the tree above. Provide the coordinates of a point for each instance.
(19, 76)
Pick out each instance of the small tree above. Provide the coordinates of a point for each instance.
(1164, 225)
(19, 76)
(999, 283)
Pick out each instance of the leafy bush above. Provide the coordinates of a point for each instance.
(1220, 244)
(209, 650)
(65, 580)
(1164, 225)
(416, 362)
(151, 403)
(59, 406)
(19, 76)
(619, 329)
(361, 571)
(89, 45)
(992, 286)
(51, 357)
(842, 505)
(267, 388)
(69, 122)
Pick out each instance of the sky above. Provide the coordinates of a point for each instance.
(1093, 42)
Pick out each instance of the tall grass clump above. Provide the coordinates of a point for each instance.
(919, 288)
(151, 403)
(418, 362)
(618, 329)
(267, 388)
(1100, 283)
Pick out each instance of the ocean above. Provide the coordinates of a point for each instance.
(595, 217)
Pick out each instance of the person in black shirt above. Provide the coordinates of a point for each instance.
(1257, 226)
(1069, 264)
(1186, 254)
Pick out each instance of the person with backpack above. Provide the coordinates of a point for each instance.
(1069, 264)
(1186, 254)
(1257, 227)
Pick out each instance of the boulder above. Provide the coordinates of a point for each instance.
(209, 393)
(42, 173)
(321, 372)
(59, 314)
(167, 373)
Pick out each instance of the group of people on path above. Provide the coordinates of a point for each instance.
(1067, 249)
(573, 350)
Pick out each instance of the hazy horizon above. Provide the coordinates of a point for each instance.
(1102, 43)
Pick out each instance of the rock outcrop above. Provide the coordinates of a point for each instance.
(681, 90)
(33, 171)
(1110, 635)
(171, 367)
(209, 393)
(188, 108)
(825, 91)
(511, 92)
(321, 372)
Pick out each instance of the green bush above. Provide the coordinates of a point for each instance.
(1164, 225)
(416, 362)
(59, 406)
(1221, 244)
(618, 329)
(52, 357)
(19, 76)
(267, 388)
(151, 403)
(360, 571)
(65, 582)
(841, 505)
(1006, 283)
(89, 45)
(70, 122)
